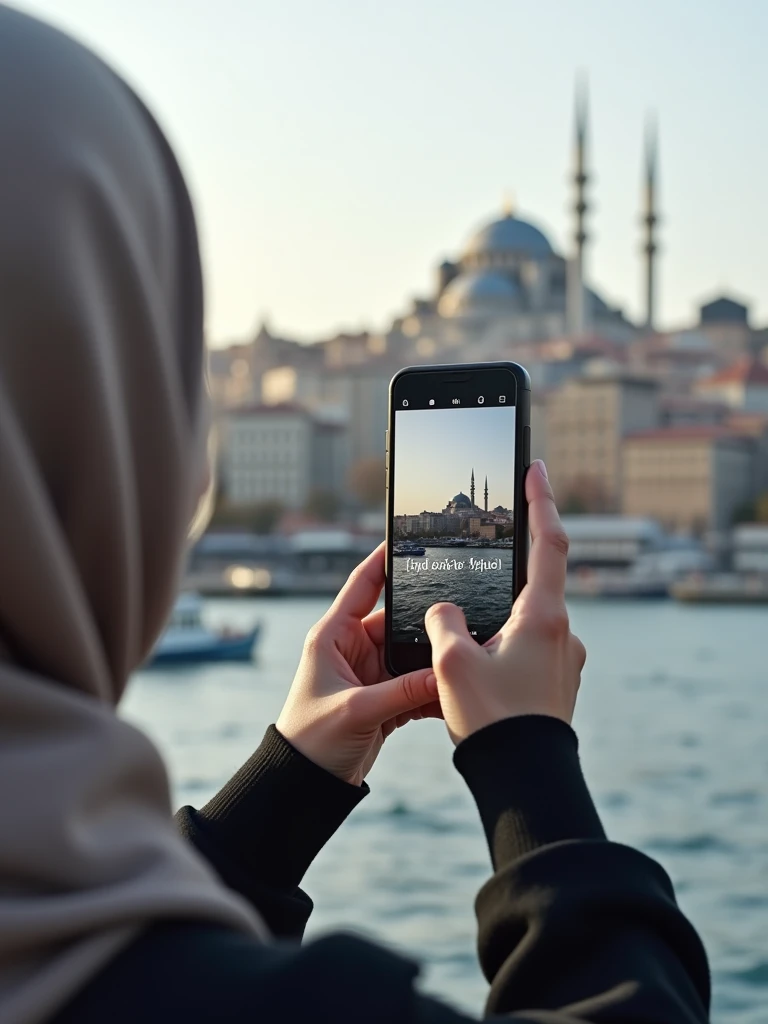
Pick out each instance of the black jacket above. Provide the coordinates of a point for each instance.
(572, 928)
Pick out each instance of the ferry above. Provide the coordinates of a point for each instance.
(187, 641)
(408, 548)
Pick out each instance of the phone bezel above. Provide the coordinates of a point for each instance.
(401, 657)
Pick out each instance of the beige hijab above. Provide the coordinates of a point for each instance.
(101, 435)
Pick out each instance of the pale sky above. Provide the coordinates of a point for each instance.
(338, 149)
(437, 449)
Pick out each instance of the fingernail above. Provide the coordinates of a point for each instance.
(542, 468)
(432, 682)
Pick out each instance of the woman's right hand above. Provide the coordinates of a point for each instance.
(533, 665)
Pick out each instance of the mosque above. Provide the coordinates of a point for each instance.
(509, 285)
(464, 506)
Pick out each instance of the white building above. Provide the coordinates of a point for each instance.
(281, 453)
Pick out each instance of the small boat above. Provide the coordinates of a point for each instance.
(408, 548)
(186, 640)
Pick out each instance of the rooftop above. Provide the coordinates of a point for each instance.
(614, 376)
(745, 370)
(694, 432)
(692, 403)
(509, 234)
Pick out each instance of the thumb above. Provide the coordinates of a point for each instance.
(453, 649)
(446, 626)
(391, 697)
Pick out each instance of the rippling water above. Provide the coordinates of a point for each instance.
(479, 580)
(673, 720)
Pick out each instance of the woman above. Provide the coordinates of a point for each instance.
(107, 913)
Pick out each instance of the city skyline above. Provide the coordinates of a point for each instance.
(437, 450)
(293, 185)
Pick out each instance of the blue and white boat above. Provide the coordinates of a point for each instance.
(187, 640)
(407, 547)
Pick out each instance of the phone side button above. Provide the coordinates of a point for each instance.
(526, 447)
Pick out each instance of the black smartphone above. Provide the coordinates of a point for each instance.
(458, 446)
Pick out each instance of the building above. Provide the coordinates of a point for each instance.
(460, 517)
(754, 425)
(587, 421)
(688, 478)
(364, 392)
(676, 359)
(464, 505)
(229, 376)
(690, 411)
(428, 524)
(509, 285)
(742, 385)
(281, 453)
(726, 323)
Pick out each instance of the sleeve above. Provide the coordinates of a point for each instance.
(573, 929)
(264, 828)
(577, 927)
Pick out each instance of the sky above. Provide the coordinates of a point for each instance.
(437, 450)
(337, 150)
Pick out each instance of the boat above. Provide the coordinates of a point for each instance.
(187, 640)
(408, 548)
(722, 588)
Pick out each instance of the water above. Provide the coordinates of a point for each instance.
(673, 720)
(479, 580)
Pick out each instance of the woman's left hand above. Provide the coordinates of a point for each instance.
(343, 703)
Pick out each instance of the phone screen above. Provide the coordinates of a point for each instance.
(454, 483)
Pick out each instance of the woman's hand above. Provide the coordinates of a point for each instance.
(533, 665)
(343, 703)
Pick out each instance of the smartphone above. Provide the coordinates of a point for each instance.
(458, 447)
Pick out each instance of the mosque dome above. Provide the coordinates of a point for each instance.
(478, 292)
(461, 500)
(508, 236)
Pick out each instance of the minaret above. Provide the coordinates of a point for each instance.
(486, 494)
(650, 220)
(472, 488)
(576, 311)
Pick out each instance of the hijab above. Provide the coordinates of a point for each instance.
(102, 424)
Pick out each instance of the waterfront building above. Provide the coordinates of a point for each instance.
(281, 453)
(587, 420)
(690, 479)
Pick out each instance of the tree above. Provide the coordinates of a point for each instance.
(367, 482)
(323, 505)
(746, 512)
(583, 496)
(761, 509)
(259, 517)
(755, 511)
(265, 515)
